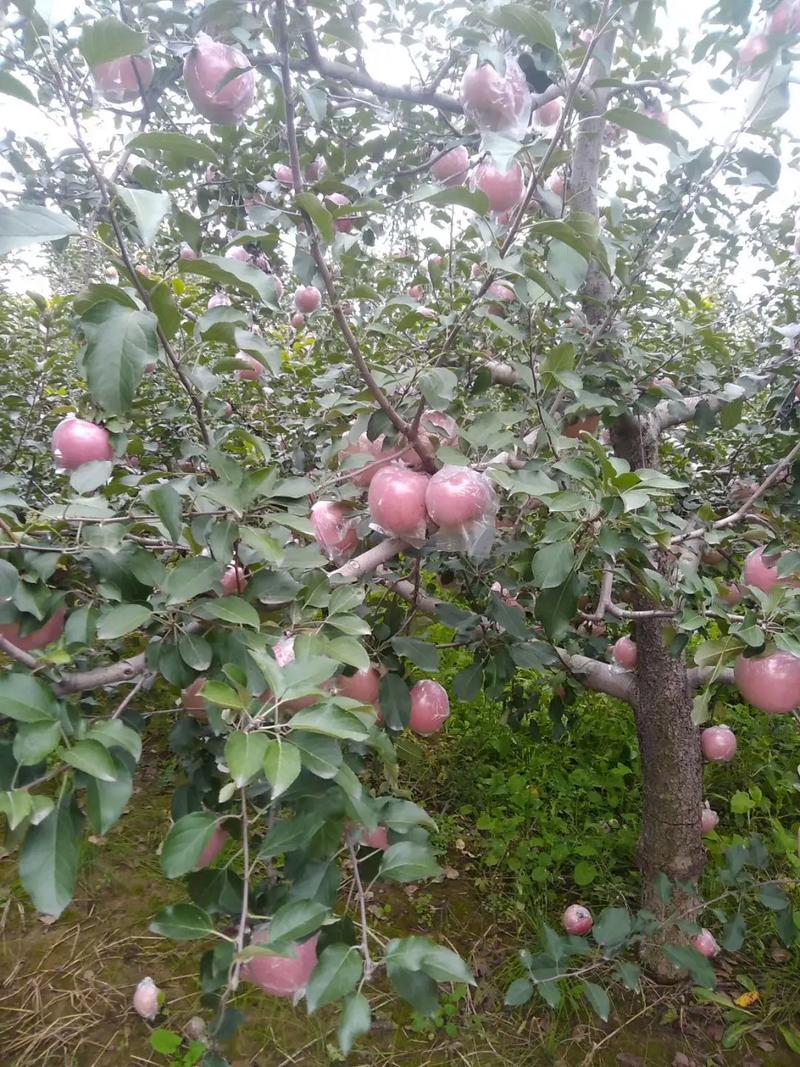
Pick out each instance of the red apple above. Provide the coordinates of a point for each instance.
(212, 849)
(282, 976)
(297, 321)
(77, 441)
(193, 702)
(234, 580)
(254, 369)
(625, 653)
(718, 744)
(731, 593)
(343, 225)
(375, 839)
(218, 300)
(785, 18)
(334, 529)
(283, 174)
(499, 291)
(752, 47)
(505, 595)
(496, 101)
(307, 298)
(708, 819)
(122, 80)
(430, 707)
(436, 429)
(363, 685)
(770, 683)
(205, 67)
(187, 252)
(556, 183)
(762, 572)
(706, 944)
(45, 635)
(396, 501)
(457, 496)
(316, 169)
(240, 253)
(372, 450)
(548, 114)
(415, 292)
(503, 190)
(452, 167)
(577, 920)
(588, 424)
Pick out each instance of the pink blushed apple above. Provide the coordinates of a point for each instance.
(770, 683)
(205, 68)
(430, 707)
(577, 920)
(78, 441)
(396, 501)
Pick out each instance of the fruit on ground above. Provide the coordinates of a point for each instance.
(146, 998)
(770, 683)
(78, 441)
(577, 920)
(430, 707)
(706, 944)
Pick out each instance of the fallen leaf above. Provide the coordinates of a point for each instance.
(746, 999)
(450, 872)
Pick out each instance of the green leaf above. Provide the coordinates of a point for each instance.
(348, 651)
(337, 973)
(281, 766)
(29, 224)
(422, 654)
(773, 897)
(11, 86)
(165, 1041)
(195, 651)
(108, 39)
(354, 1023)
(48, 863)
(182, 922)
(106, 801)
(646, 129)
(297, 919)
(597, 998)
(404, 815)
(555, 608)
(35, 741)
(121, 342)
(408, 861)
(289, 835)
(331, 722)
(26, 699)
(166, 503)
(178, 145)
(17, 806)
(318, 214)
(116, 622)
(191, 577)
(223, 695)
(234, 610)
(584, 873)
(185, 842)
(93, 759)
(612, 928)
(320, 755)
(552, 564)
(719, 653)
(244, 754)
(231, 272)
(519, 992)
(9, 580)
(689, 959)
(148, 210)
(458, 195)
(526, 23)
(395, 701)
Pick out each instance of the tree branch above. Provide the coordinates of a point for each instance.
(25, 658)
(370, 560)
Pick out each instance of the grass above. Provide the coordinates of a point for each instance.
(532, 814)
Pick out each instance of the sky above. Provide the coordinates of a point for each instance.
(719, 116)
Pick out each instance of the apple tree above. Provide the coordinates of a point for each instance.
(334, 354)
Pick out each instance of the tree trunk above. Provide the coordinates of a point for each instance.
(670, 841)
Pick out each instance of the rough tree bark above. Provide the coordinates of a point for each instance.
(670, 841)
